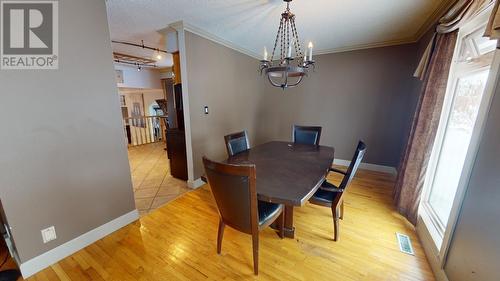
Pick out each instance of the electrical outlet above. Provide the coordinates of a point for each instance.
(49, 234)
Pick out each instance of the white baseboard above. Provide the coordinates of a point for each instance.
(46, 259)
(368, 166)
(196, 183)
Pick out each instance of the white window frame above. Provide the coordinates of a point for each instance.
(441, 234)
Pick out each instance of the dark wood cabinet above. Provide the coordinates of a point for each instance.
(176, 151)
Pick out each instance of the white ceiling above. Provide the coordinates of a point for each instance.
(333, 25)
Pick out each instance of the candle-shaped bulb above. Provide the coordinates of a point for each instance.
(289, 55)
(310, 46)
(265, 53)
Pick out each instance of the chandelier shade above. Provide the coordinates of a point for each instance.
(288, 64)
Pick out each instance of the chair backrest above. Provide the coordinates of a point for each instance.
(353, 167)
(234, 190)
(306, 134)
(236, 143)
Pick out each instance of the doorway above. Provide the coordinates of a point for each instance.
(145, 125)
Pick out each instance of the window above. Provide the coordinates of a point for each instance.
(455, 142)
(459, 123)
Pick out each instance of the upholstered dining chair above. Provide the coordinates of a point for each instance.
(306, 134)
(234, 190)
(237, 142)
(329, 195)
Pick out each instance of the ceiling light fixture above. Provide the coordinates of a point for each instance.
(282, 73)
(158, 55)
(133, 60)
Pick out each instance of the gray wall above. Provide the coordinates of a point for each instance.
(367, 94)
(64, 160)
(475, 249)
(228, 82)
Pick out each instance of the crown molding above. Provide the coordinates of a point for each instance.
(366, 46)
(426, 26)
(182, 25)
(442, 8)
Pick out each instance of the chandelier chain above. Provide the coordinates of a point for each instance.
(298, 49)
(276, 41)
(293, 65)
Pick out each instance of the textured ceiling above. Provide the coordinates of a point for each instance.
(332, 25)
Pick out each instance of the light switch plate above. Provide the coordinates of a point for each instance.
(48, 234)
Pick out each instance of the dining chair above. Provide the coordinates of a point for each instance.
(306, 134)
(234, 190)
(329, 195)
(237, 142)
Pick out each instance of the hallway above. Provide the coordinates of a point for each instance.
(153, 184)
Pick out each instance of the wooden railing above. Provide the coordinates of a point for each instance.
(144, 129)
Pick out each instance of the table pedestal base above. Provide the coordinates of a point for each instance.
(289, 229)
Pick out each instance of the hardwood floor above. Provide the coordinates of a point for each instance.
(178, 242)
(9, 263)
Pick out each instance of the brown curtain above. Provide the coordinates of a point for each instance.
(413, 166)
(458, 15)
(493, 27)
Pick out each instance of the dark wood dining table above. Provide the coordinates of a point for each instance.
(287, 173)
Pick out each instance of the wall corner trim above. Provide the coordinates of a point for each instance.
(368, 166)
(46, 259)
(196, 183)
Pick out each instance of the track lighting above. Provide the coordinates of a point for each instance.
(158, 55)
(157, 52)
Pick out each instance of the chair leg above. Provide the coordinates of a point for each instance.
(335, 215)
(220, 234)
(255, 247)
(342, 210)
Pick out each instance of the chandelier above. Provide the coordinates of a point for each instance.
(286, 70)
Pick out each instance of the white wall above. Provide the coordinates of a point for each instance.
(147, 78)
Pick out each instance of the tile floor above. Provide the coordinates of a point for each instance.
(153, 184)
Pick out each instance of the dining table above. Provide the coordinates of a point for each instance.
(287, 173)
